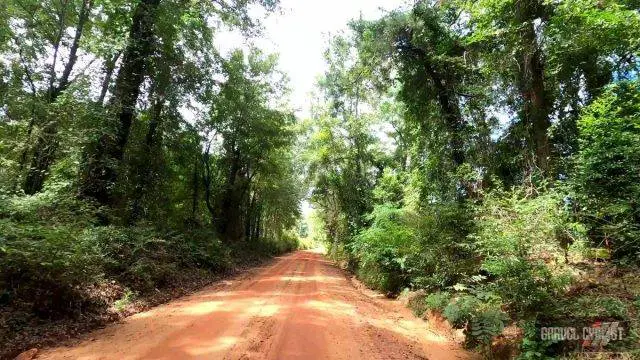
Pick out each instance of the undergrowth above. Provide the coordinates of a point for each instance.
(60, 266)
(527, 262)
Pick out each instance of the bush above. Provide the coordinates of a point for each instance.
(461, 309)
(524, 244)
(480, 315)
(48, 207)
(607, 176)
(382, 250)
(593, 308)
(403, 248)
(145, 258)
(285, 243)
(51, 253)
(47, 266)
(437, 301)
(444, 255)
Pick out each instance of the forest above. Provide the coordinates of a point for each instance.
(482, 156)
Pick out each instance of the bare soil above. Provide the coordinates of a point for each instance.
(299, 307)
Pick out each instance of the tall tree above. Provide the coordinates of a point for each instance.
(549, 47)
(44, 151)
(100, 173)
(246, 132)
(105, 156)
(423, 52)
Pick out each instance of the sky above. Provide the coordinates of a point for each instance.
(300, 33)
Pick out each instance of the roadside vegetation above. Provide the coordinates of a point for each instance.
(483, 157)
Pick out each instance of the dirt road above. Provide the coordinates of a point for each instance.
(300, 307)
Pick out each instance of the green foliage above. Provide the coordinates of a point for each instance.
(608, 170)
(147, 259)
(48, 207)
(51, 252)
(532, 347)
(285, 243)
(437, 301)
(127, 298)
(382, 251)
(480, 315)
(390, 189)
(594, 307)
(523, 241)
(132, 150)
(488, 324)
(474, 96)
(47, 265)
(444, 255)
(253, 167)
(403, 248)
(461, 309)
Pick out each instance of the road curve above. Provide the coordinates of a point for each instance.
(300, 307)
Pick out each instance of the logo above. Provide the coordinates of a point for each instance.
(595, 336)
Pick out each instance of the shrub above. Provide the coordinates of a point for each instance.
(444, 255)
(47, 265)
(592, 308)
(532, 346)
(607, 174)
(383, 249)
(127, 298)
(285, 243)
(524, 243)
(437, 301)
(48, 207)
(144, 258)
(480, 315)
(461, 309)
(51, 253)
(404, 248)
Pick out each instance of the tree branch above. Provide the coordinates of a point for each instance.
(73, 52)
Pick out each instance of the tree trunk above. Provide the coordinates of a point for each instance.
(144, 177)
(47, 144)
(446, 98)
(101, 169)
(229, 217)
(109, 67)
(452, 117)
(255, 234)
(150, 161)
(206, 180)
(536, 103)
(250, 218)
(448, 104)
(196, 190)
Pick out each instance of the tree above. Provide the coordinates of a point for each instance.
(48, 39)
(607, 168)
(248, 135)
(344, 157)
(101, 164)
(100, 173)
(537, 43)
(423, 51)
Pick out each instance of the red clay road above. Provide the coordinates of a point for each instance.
(300, 307)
